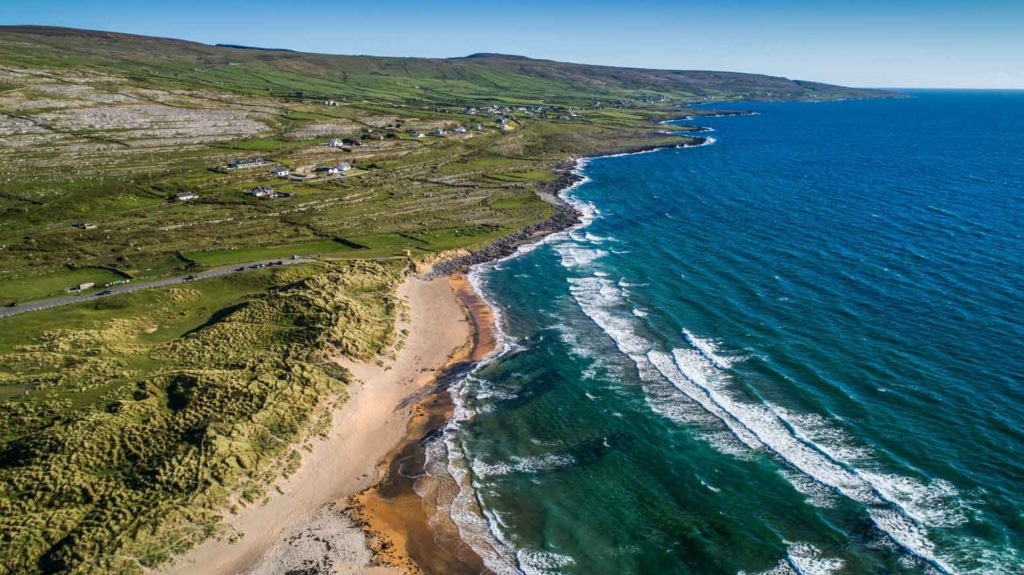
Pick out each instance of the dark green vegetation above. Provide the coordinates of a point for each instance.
(145, 415)
(129, 425)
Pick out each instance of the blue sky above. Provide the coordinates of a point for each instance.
(903, 43)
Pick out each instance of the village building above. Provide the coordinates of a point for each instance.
(265, 192)
(344, 167)
(186, 196)
(478, 127)
(334, 143)
(250, 163)
(459, 130)
(439, 132)
(280, 172)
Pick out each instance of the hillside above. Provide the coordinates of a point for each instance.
(476, 78)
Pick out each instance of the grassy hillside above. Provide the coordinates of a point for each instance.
(477, 78)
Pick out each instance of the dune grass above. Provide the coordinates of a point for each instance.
(141, 418)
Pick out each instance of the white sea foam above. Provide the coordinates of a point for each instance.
(700, 375)
(514, 464)
(574, 256)
(804, 559)
(709, 348)
(818, 495)
(480, 529)
(542, 562)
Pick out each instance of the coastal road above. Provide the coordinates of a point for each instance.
(129, 288)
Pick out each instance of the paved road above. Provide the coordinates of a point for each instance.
(133, 287)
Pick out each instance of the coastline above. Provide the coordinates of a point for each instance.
(399, 514)
(299, 526)
(565, 215)
(362, 514)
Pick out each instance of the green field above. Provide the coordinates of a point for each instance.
(215, 258)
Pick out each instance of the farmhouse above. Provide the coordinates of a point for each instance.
(280, 172)
(266, 192)
(344, 167)
(186, 196)
(335, 143)
(459, 130)
(439, 132)
(250, 163)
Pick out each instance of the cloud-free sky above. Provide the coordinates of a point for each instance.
(895, 43)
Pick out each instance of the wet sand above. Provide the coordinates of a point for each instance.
(400, 514)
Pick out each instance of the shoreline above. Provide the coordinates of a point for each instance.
(565, 215)
(399, 513)
(299, 527)
(373, 519)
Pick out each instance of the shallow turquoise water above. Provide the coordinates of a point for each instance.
(796, 350)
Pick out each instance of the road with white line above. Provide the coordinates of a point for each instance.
(134, 287)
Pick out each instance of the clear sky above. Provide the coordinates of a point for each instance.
(896, 43)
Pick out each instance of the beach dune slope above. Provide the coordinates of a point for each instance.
(298, 527)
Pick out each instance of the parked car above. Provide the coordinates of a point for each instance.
(104, 292)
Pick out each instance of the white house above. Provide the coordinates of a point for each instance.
(264, 192)
(439, 132)
(344, 167)
(250, 163)
(186, 196)
(334, 143)
(459, 130)
(280, 172)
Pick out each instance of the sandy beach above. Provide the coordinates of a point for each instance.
(300, 527)
(405, 515)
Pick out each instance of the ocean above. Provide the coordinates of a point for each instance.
(795, 350)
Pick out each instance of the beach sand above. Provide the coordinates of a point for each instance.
(300, 527)
(400, 514)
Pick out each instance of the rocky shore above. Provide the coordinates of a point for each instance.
(564, 217)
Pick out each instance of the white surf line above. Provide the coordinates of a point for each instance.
(757, 426)
(707, 349)
(773, 432)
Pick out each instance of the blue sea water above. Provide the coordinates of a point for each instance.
(797, 350)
